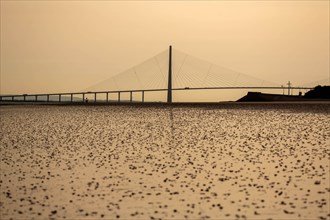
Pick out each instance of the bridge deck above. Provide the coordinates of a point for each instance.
(24, 97)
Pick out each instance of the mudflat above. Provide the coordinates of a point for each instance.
(249, 161)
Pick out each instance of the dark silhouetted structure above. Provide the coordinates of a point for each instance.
(319, 92)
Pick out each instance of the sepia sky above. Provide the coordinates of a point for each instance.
(63, 46)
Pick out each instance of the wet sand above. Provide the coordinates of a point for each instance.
(253, 161)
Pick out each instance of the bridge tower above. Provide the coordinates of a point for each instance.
(169, 88)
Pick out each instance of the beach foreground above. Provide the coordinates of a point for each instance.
(254, 161)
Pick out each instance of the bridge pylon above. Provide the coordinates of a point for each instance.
(169, 88)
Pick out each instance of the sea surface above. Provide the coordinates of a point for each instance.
(229, 161)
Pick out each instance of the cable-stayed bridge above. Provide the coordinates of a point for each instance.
(168, 71)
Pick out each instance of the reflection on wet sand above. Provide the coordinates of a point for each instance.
(253, 162)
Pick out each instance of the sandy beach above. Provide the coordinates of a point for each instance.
(254, 161)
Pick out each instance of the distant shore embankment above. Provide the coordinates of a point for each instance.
(319, 93)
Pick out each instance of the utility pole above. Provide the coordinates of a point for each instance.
(289, 87)
(169, 89)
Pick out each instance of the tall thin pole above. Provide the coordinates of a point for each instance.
(289, 87)
(169, 89)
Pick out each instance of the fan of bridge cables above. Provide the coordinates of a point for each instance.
(187, 72)
(322, 82)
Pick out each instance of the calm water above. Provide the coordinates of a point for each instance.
(257, 161)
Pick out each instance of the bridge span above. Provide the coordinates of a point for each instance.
(80, 96)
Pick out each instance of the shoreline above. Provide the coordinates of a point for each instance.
(313, 107)
(326, 102)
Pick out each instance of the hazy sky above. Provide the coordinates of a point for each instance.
(60, 46)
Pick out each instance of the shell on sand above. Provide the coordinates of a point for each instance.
(228, 162)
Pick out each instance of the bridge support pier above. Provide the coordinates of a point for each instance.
(83, 99)
(71, 97)
(47, 98)
(36, 98)
(131, 96)
(107, 97)
(118, 96)
(59, 97)
(24, 98)
(142, 96)
(94, 97)
(12, 98)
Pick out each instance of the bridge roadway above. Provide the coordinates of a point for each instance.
(24, 97)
